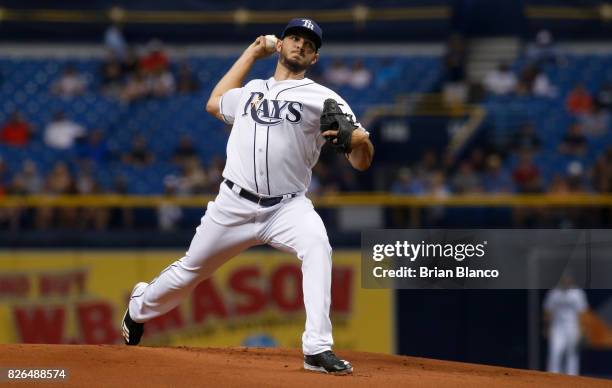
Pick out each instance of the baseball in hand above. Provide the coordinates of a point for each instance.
(270, 42)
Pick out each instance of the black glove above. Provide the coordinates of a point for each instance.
(332, 118)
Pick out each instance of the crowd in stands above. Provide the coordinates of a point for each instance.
(129, 77)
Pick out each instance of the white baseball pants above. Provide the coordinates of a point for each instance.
(231, 225)
(563, 343)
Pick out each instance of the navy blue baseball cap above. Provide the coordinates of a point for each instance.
(308, 26)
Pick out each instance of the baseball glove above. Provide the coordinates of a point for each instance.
(332, 118)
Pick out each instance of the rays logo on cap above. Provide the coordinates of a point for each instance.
(308, 24)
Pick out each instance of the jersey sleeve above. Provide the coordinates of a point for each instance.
(228, 104)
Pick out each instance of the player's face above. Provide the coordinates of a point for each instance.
(298, 52)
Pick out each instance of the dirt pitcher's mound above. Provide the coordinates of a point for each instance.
(115, 366)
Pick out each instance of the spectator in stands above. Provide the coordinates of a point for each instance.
(477, 159)
(155, 58)
(501, 81)
(95, 149)
(602, 172)
(30, 180)
(455, 86)
(58, 182)
(136, 88)
(526, 175)
(161, 82)
(185, 151)
(466, 180)
(361, 77)
(112, 76)
(596, 121)
(62, 133)
(526, 139)
(130, 64)
(604, 96)
(194, 179)
(406, 183)
(427, 165)
(70, 84)
(115, 42)
(123, 215)
(338, 74)
(579, 101)
(16, 131)
(533, 81)
(575, 177)
(574, 143)
(139, 155)
(496, 179)
(96, 217)
(169, 214)
(187, 83)
(544, 51)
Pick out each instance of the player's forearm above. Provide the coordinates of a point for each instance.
(361, 155)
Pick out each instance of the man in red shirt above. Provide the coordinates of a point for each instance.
(16, 131)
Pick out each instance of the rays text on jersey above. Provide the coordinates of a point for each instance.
(272, 112)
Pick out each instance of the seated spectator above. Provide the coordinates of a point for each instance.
(455, 89)
(194, 179)
(136, 87)
(558, 185)
(155, 58)
(139, 155)
(61, 133)
(71, 83)
(185, 151)
(187, 83)
(533, 81)
(579, 100)
(496, 180)
(596, 122)
(465, 180)
(602, 172)
(544, 51)
(112, 76)
(526, 175)
(542, 86)
(526, 139)
(406, 183)
(58, 182)
(168, 213)
(30, 178)
(16, 132)
(501, 81)
(337, 74)
(360, 77)
(575, 177)
(574, 142)
(91, 217)
(604, 96)
(95, 149)
(162, 82)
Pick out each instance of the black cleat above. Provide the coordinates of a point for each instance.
(327, 362)
(132, 331)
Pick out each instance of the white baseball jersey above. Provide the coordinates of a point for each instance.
(275, 139)
(565, 306)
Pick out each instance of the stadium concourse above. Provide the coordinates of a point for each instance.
(103, 366)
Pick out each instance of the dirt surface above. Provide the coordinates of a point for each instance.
(114, 366)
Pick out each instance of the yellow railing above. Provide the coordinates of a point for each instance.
(327, 201)
(238, 16)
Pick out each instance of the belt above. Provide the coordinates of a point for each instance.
(261, 201)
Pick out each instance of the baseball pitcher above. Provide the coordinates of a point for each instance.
(279, 126)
